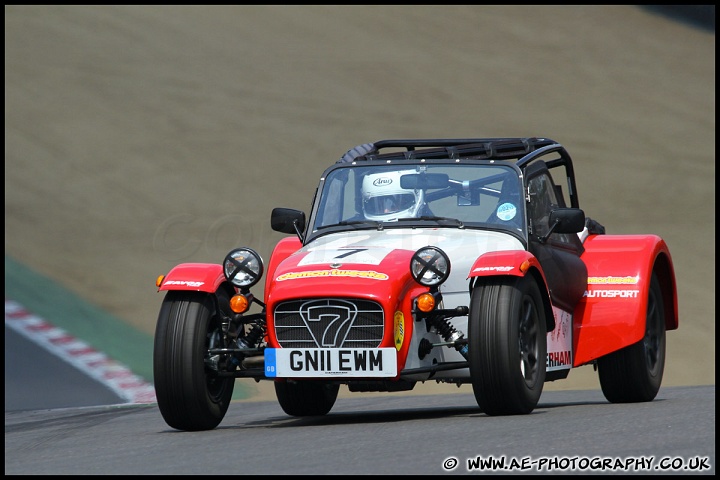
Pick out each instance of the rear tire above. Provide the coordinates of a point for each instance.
(634, 373)
(189, 395)
(507, 332)
(306, 398)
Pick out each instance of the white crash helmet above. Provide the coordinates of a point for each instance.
(383, 199)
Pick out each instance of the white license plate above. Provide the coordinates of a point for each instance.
(330, 362)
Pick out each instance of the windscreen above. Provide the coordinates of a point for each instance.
(484, 195)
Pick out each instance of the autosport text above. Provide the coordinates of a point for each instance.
(611, 293)
(595, 464)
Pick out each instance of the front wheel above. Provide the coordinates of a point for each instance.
(189, 395)
(306, 398)
(634, 373)
(507, 332)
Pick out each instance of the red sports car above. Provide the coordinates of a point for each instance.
(461, 261)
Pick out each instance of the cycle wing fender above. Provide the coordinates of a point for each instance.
(199, 277)
(612, 313)
(506, 262)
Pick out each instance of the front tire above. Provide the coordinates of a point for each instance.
(306, 398)
(507, 331)
(189, 396)
(634, 373)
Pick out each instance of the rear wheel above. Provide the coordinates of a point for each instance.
(306, 398)
(508, 345)
(190, 396)
(634, 374)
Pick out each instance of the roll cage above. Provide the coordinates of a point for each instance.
(526, 155)
(522, 151)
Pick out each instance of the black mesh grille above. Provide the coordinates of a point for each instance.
(329, 323)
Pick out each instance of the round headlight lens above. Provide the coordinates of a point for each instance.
(430, 266)
(243, 267)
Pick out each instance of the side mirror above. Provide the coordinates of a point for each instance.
(567, 220)
(287, 220)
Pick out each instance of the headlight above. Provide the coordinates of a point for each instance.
(243, 267)
(430, 266)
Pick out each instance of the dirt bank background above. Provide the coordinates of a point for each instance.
(139, 137)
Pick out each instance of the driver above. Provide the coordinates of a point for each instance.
(384, 199)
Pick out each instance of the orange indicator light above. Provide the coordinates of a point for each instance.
(239, 303)
(426, 302)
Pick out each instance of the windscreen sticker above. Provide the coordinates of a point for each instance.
(506, 212)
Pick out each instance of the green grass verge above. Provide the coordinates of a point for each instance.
(102, 331)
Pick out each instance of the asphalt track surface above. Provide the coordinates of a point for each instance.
(139, 137)
(398, 435)
(32, 372)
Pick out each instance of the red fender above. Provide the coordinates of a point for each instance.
(511, 262)
(200, 277)
(612, 313)
(508, 262)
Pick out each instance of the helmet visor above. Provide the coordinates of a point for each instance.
(386, 204)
